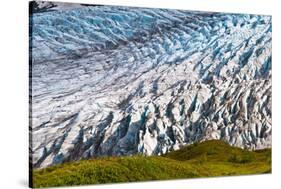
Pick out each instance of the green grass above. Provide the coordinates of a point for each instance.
(207, 159)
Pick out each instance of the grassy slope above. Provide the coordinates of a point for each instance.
(207, 159)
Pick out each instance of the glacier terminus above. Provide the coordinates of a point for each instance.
(116, 81)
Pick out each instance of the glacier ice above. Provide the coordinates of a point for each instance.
(110, 81)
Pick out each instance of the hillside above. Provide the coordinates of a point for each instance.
(206, 159)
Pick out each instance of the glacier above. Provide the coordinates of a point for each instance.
(113, 81)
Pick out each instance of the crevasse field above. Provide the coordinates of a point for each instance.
(117, 81)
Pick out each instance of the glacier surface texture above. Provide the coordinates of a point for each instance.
(112, 81)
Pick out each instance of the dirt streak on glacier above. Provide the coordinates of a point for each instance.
(110, 81)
